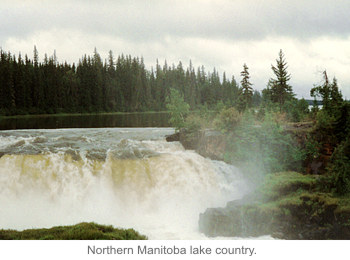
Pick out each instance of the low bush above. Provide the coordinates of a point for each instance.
(228, 119)
(82, 231)
(339, 168)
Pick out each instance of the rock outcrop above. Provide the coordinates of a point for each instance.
(290, 210)
(288, 205)
(208, 143)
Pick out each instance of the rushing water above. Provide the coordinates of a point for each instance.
(126, 177)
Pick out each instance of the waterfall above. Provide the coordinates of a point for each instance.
(129, 178)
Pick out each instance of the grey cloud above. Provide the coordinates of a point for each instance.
(150, 20)
(213, 33)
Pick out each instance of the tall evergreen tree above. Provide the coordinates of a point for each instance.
(329, 93)
(281, 91)
(246, 90)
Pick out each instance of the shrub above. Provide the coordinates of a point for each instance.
(339, 168)
(324, 128)
(193, 123)
(263, 147)
(81, 231)
(178, 109)
(228, 119)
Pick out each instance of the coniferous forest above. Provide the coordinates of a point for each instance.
(122, 84)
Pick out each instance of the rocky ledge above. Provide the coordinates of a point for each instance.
(208, 143)
(287, 206)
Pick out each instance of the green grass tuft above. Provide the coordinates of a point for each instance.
(283, 183)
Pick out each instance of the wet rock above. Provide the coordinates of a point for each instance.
(208, 143)
(283, 210)
(212, 145)
(173, 138)
(235, 220)
(282, 222)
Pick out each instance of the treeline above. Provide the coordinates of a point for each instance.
(93, 85)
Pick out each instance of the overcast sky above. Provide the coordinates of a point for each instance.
(314, 35)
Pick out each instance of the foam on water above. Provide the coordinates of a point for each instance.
(142, 182)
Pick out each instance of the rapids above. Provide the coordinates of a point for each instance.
(126, 177)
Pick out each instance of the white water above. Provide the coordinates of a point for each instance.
(129, 178)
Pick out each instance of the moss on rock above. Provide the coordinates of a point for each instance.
(287, 205)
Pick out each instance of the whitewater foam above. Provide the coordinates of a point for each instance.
(158, 190)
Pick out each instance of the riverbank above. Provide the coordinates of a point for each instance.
(81, 231)
(288, 205)
(285, 205)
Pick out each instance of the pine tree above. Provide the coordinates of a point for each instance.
(36, 56)
(280, 90)
(329, 92)
(97, 82)
(246, 90)
(110, 90)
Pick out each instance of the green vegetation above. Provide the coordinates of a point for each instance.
(82, 231)
(277, 132)
(262, 146)
(299, 160)
(290, 205)
(178, 109)
(246, 91)
(227, 119)
(339, 169)
(291, 190)
(329, 93)
(281, 92)
(283, 183)
(121, 84)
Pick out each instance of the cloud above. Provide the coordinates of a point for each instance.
(152, 20)
(314, 35)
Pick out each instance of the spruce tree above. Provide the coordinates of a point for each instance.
(280, 90)
(330, 94)
(246, 90)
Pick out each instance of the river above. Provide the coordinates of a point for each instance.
(126, 177)
(152, 119)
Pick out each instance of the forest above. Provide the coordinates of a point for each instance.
(29, 86)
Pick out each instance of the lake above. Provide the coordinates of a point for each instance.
(156, 119)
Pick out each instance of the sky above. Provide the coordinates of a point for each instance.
(225, 34)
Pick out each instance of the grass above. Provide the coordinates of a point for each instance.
(283, 183)
(286, 192)
(344, 204)
(81, 231)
